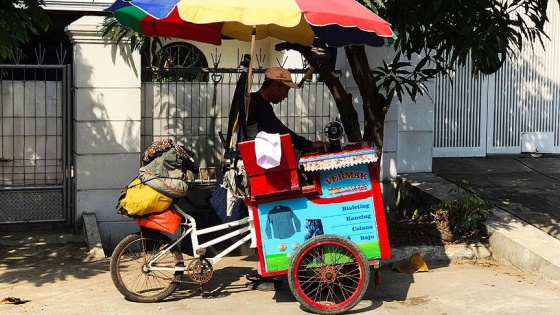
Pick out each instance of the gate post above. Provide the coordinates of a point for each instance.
(106, 122)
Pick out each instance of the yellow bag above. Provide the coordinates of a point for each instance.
(141, 199)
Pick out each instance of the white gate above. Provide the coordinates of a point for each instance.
(524, 101)
(515, 110)
(460, 115)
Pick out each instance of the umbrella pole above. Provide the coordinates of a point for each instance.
(306, 76)
(250, 72)
(247, 92)
(247, 96)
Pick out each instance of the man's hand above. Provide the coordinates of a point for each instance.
(320, 146)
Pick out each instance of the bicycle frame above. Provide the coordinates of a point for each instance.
(188, 226)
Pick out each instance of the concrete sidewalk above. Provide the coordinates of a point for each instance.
(524, 226)
(526, 187)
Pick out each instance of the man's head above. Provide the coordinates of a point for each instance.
(278, 82)
(280, 75)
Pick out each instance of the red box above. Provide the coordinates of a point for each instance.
(267, 182)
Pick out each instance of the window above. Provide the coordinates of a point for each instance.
(178, 62)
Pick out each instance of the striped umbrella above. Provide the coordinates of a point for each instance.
(336, 23)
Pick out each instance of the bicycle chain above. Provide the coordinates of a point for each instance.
(193, 272)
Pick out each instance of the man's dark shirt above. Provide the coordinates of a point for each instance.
(262, 114)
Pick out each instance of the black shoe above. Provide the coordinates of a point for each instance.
(263, 284)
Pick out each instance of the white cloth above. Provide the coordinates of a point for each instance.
(235, 189)
(229, 184)
(268, 150)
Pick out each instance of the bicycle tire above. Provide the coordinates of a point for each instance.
(130, 275)
(328, 274)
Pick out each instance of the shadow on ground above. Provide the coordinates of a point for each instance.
(41, 264)
(523, 186)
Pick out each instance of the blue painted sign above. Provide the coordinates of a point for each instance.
(286, 224)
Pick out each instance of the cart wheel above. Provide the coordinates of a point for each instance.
(328, 274)
(129, 270)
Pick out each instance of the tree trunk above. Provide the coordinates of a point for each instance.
(348, 115)
(343, 99)
(374, 103)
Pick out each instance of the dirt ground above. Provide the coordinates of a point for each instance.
(44, 265)
(56, 280)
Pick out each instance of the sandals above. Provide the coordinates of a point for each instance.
(13, 300)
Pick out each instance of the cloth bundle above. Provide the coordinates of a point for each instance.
(164, 166)
(164, 174)
(161, 178)
(268, 150)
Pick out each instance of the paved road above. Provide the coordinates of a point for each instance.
(56, 281)
(526, 187)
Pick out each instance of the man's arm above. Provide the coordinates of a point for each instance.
(268, 122)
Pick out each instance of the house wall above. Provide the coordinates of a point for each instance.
(107, 117)
(106, 121)
(107, 114)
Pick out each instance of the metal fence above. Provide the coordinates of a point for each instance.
(34, 143)
(193, 112)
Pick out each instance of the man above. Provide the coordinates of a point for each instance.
(274, 89)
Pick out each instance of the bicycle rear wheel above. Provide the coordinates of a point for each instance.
(130, 273)
(328, 274)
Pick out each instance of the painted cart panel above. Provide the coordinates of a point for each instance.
(347, 203)
(286, 224)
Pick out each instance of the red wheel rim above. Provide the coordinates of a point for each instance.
(327, 275)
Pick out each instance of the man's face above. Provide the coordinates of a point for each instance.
(279, 92)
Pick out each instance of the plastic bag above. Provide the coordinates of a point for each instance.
(166, 221)
(141, 199)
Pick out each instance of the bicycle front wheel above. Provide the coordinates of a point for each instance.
(132, 276)
(328, 274)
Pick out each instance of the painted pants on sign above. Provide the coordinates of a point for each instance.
(313, 227)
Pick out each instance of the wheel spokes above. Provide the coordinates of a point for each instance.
(133, 268)
(329, 275)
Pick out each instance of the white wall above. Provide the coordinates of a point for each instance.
(106, 122)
